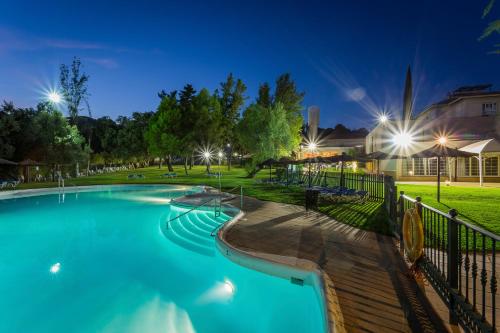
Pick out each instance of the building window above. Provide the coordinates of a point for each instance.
(471, 167)
(491, 166)
(489, 109)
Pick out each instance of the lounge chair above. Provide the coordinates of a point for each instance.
(169, 175)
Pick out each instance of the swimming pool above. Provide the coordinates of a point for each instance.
(101, 260)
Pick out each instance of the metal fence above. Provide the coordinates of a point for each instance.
(460, 262)
(374, 184)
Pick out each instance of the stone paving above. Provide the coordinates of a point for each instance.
(368, 289)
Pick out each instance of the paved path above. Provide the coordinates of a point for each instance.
(364, 269)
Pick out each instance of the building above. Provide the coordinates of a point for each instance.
(466, 116)
(328, 142)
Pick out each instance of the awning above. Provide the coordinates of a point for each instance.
(484, 146)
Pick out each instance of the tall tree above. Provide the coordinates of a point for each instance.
(161, 134)
(231, 101)
(74, 87)
(264, 98)
(8, 126)
(59, 142)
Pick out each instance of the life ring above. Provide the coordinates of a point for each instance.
(413, 235)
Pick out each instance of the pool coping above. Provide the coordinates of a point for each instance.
(12, 194)
(289, 268)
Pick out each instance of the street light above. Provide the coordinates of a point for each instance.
(382, 119)
(403, 139)
(54, 97)
(442, 140)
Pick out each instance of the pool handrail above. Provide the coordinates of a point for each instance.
(191, 209)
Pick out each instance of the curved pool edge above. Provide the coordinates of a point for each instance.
(288, 268)
(11, 194)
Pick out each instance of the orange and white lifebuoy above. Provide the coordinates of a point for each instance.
(413, 235)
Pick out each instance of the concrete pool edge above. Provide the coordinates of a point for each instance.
(288, 268)
(12, 194)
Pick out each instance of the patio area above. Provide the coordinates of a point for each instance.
(368, 289)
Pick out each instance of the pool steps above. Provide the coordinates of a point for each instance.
(193, 231)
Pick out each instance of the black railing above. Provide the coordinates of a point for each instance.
(459, 261)
(374, 184)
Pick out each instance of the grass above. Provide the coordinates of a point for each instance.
(368, 216)
(480, 206)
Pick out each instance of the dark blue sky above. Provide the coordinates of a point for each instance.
(349, 57)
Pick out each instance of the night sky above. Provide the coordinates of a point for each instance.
(350, 57)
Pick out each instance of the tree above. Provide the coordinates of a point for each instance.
(8, 126)
(286, 93)
(161, 134)
(59, 142)
(492, 27)
(266, 133)
(231, 101)
(74, 87)
(264, 98)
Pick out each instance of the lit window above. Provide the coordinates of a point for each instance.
(489, 109)
(491, 166)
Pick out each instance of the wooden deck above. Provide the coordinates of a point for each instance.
(369, 290)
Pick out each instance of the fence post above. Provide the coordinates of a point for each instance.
(401, 205)
(418, 206)
(453, 261)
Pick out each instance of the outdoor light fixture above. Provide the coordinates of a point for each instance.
(383, 119)
(207, 155)
(54, 269)
(442, 140)
(220, 154)
(311, 146)
(403, 139)
(54, 97)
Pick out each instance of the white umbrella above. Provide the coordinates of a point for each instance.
(480, 147)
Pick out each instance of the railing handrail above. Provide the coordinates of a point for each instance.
(191, 209)
(459, 221)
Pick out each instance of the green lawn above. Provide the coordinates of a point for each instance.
(368, 215)
(480, 206)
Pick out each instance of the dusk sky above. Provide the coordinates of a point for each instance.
(350, 57)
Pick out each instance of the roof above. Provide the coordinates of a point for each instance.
(484, 146)
(460, 94)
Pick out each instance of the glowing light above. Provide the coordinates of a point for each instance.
(354, 166)
(403, 139)
(207, 155)
(220, 154)
(442, 140)
(229, 287)
(54, 97)
(410, 172)
(383, 119)
(311, 146)
(54, 269)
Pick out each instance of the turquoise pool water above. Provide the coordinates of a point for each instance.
(102, 261)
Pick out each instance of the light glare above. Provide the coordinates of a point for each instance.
(54, 269)
(403, 139)
(383, 119)
(54, 97)
(442, 140)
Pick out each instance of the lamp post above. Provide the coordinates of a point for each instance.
(442, 140)
(206, 156)
(311, 146)
(220, 155)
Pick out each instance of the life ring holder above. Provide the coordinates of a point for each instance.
(413, 240)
